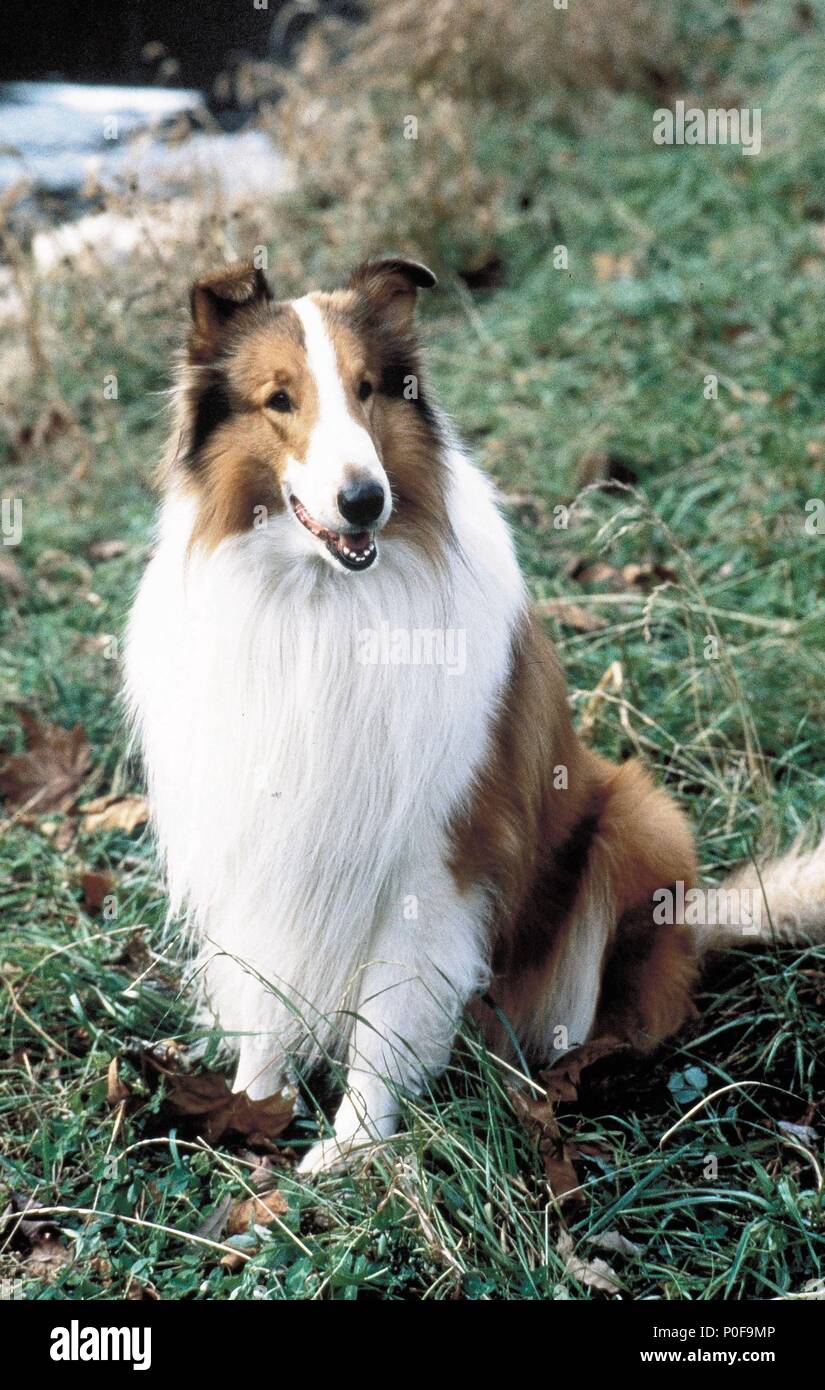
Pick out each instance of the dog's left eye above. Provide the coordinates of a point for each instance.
(279, 400)
(365, 390)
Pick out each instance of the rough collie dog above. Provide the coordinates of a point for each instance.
(367, 839)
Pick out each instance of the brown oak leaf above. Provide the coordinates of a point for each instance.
(48, 775)
(206, 1099)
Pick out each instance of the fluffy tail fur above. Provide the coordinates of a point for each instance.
(781, 901)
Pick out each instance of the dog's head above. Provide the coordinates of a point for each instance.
(311, 409)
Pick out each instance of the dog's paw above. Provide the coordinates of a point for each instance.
(334, 1155)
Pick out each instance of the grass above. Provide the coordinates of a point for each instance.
(681, 264)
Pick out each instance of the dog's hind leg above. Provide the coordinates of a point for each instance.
(609, 967)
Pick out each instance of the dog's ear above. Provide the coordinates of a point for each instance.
(216, 300)
(391, 286)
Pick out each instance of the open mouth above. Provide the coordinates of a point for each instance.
(356, 550)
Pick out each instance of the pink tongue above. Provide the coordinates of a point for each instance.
(359, 541)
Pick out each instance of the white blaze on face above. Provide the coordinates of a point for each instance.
(339, 448)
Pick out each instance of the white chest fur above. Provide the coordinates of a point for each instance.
(307, 737)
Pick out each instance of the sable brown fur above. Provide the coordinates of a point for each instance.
(542, 847)
(243, 345)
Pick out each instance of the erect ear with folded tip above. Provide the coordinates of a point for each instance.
(392, 284)
(217, 299)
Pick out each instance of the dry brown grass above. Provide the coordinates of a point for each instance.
(458, 68)
(495, 51)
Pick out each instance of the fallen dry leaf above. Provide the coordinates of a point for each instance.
(586, 571)
(603, 467)
(206, 1099)
(59, 571)
(168, 1052)
(562, 1079)
(634, 576)
(594, 1274)
(115, 813)
(50, 423)
(233, 1260)
(588, 1149)
(261, 1211)
(48, 775)
(562, 1178)
(214, 1225)
(813, 1288)
(539, 1118)
(136, 957)
(107, 550)
(571, 614)
(61, 833)
(46, 1257)
(646, 576)
(137, 1291)
(105, 642)
(532, 511)
(263, 1171)
(116, 1090)
(616, 1244)
(36, 1239)
(97, 887)
(804, 1134)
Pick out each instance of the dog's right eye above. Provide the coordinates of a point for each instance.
(281, 401)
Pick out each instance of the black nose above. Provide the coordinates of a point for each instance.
(361, 502)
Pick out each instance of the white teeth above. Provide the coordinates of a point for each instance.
(359, 556)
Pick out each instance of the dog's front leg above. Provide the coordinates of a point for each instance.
(427, 959)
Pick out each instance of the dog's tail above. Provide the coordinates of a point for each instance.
(781, 902)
